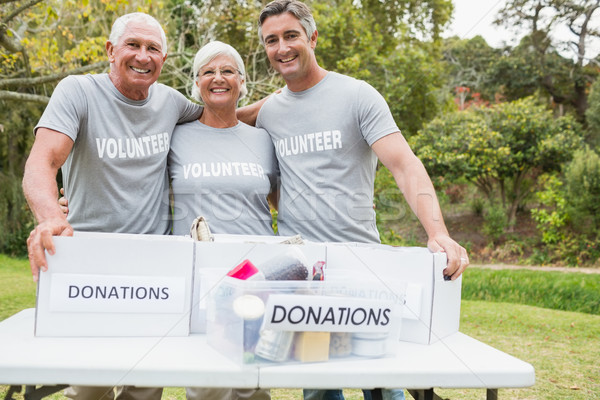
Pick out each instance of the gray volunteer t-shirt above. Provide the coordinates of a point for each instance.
(115, 177)
(223, 175)
(322, 138)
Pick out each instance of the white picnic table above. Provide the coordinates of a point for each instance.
(46, 364)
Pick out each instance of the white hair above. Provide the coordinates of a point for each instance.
(121, 23)
(208, 53)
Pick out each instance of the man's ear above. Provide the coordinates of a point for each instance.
(109, 51)
(165, 57)
(313, 39)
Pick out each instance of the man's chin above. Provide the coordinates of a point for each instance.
(143, 80)
(288, 73)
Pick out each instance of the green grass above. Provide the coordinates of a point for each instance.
(568, 291)
(17, 289)
(563, 346)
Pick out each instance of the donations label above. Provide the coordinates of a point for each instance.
(328, 313)
(116, 293)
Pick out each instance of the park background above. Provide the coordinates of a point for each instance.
(509, 135)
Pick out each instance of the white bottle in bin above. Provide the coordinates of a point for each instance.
(369, 344)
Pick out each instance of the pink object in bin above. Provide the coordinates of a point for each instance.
(244, 271)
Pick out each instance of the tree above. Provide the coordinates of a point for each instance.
(376, 41)
(582, 184)
(468, 63)
(593, 114)
(502, 149)
(370, 40)
(40, 43)
(197, 22)
(540, 18)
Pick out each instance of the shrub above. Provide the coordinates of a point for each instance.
(592, 114)
(15, 219)
(495, 223)
(567, 215)
(552, 216)
(582, 182)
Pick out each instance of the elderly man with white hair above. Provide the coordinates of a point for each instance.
(110, 134)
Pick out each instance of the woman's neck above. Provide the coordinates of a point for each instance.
(218, 118)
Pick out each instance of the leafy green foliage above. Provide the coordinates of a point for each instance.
(593, 114)
(562, 79)
(15, 219)
(391, 210)
(553, 216)
(567, 215)
(356, 42)
(494, 224)
(502, 149)
(461, 145)
(582, 181)
(468, 63)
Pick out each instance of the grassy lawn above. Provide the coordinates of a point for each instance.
(563, 346)
(17, 289)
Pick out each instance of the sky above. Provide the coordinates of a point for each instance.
(475, 17)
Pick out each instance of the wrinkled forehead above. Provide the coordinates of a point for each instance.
(141, 31)
(282, 23)
(220, 60)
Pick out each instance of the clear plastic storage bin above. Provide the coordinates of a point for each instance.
(304, 321)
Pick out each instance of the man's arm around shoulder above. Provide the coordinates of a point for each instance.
(249, 114)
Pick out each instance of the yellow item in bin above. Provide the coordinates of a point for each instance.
(311, 346)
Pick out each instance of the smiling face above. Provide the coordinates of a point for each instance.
(219, 83)
(290, 51)
(136, 59)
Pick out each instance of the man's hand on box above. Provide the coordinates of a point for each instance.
(457, 258)
(40, 239)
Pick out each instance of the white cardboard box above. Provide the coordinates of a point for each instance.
(432, 309)
(101, 284)
(431, 312)
(432, 305)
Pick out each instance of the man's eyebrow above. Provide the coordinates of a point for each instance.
(285, 33)
(134, 39)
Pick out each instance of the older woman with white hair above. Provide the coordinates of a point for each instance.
(221, 168)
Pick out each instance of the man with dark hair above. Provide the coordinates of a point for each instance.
(329, 130)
